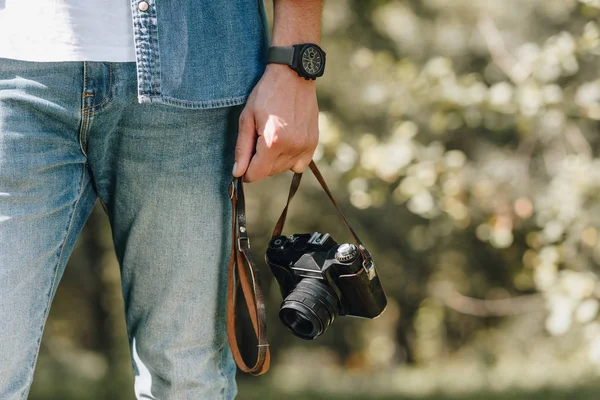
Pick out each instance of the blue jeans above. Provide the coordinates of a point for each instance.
(72, 132)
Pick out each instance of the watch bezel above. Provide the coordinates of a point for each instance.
(299, 67)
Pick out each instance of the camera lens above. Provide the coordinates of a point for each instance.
(298, 322)
(309, 309)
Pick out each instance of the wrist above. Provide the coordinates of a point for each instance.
(307, 59)
(281, 71)
(293, 38)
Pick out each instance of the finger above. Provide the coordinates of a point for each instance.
(262, 162)
(305, 158)
(285, 162)
(246, 142)
(282, 164)
(302, 163)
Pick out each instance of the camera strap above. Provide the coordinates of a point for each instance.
(243, 267)
(366, 256)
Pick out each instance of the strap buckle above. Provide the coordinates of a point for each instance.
(369, 267)
(239, 242)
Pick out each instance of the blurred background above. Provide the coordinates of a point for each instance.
(461, 139)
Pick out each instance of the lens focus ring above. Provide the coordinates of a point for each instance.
(309, 309)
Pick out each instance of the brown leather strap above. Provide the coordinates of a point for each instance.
(281, 221)
(243, 266)
(294, 188)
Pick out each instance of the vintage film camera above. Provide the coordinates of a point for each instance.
(320, 279)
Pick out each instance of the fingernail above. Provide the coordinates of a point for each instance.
(234, 168)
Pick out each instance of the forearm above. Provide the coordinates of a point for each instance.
(296, 21)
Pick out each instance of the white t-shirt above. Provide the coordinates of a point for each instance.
(66, 30)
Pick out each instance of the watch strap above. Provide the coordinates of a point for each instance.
(281, 55)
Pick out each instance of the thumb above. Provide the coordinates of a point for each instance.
(245, 143)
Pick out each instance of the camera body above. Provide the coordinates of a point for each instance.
(321, 279)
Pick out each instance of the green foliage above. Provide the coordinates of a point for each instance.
(464, 137)
(467, 130)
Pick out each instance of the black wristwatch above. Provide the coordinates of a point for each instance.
(307, 59)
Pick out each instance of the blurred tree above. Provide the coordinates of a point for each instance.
(463, 135)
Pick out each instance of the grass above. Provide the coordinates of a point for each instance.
(249, 392)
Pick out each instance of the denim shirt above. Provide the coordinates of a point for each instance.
(199, 53)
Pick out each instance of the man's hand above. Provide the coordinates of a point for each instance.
(279, 127)
(280, 122)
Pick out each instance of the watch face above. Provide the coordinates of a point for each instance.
(312, 61)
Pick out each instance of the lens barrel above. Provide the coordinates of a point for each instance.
(309, 309)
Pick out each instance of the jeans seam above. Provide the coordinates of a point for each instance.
(83, 126)
(156, 53)
(185, 104)
(102, 203)
(109, 95)
(52, 286)
(221, 351)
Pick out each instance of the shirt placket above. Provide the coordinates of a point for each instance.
(145, 25)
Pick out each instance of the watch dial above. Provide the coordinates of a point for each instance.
(312, 61)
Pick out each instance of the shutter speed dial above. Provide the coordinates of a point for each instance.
(346, 252)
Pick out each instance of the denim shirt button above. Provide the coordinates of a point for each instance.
(143, 6)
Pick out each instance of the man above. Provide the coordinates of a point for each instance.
(138, 103)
